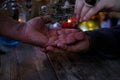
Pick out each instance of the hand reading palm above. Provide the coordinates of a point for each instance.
(36, 32)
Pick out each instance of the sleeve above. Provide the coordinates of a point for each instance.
(105, 41)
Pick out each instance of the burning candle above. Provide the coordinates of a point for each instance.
(70, 23)
(66, 25)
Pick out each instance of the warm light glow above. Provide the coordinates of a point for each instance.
(69, 21)
(19, 20)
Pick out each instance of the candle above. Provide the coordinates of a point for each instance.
(71, 23)
(66, 25)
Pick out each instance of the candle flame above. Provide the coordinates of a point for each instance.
(69, 21)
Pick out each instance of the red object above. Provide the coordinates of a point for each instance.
(72, 24)
(73, 19)
(66, 25)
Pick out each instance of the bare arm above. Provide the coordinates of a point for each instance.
(11, 28)
(32, 32)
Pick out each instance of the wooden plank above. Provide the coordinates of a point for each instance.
(86, 67)
(37, 64)
(62, 67)
(4, 74)
(6, 66)
(26, 62)
(43, 66)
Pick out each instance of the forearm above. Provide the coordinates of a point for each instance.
(11, 28)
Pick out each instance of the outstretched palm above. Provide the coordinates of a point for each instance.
(36, 32)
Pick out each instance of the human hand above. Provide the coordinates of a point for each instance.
(69, 40)
(36, 32)
(85, 12)
(32, 32)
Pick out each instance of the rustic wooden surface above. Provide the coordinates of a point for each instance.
(26, 62)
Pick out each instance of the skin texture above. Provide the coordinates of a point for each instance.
(69, 40)
(32, 32)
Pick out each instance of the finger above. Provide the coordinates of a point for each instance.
(75, 8)
(70, 38)
(52, 32)
(56, 42)
(62, 37)
(61, 31)
(93, 10)
(78, 7)
(49, 48)
(52, 40)
(84, 11)
(61, 45)
(62, 42)
(68, 31)
(79, 35)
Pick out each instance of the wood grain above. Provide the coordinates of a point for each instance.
(26, 62)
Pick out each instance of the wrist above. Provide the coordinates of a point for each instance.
(16, 32)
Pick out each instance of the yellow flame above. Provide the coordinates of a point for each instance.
(69, 21)
(19, 20)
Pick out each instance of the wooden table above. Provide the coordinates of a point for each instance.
(26, 62)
